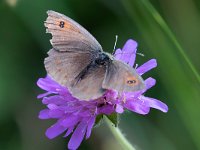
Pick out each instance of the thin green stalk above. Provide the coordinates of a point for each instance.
(166, 28)
(126, 145)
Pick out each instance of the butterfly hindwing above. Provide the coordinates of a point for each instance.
(89, 85)
(122, 78)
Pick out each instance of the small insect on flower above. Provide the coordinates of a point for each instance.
(83, 82)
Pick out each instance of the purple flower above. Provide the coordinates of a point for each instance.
(78, 117)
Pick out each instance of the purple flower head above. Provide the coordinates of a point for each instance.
(77, 117)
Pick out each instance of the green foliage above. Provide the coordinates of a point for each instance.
(98, 121)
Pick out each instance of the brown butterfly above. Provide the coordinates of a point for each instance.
(78, 62)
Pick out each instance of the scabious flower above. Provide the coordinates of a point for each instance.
(78, 117)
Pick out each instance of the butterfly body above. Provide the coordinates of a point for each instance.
(78, 62)
(101, 60)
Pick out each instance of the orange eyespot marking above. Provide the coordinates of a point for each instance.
(132, 81)
(66, 25)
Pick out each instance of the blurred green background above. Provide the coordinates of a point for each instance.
(167, 30)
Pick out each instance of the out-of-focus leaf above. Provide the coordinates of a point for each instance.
(34, 18)
(17, 55)
(11, 138)
(176, 76)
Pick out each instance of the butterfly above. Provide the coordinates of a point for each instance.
(78, 62)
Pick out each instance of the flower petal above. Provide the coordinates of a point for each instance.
(111, 94)
(106, 109)
(147, 66)
(154, 103)
(43, 95)
(70, 120)
(52, 86)
(118, 54)
(128, 53)
(52, 106)
(69, 131)
(89, 127)
(56, 113)
(137, 106)
(77, 136)
(55, 130)
(48, 84)
(56, 99)
(44, 114)
(47, 114)
(150, 82)
(119, 109)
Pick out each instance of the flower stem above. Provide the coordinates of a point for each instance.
(126, 145)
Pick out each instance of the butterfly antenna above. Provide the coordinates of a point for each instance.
(116, 38)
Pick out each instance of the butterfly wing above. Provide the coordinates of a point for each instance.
(122, 78)
(74, 49)
(68, 35)
(64, 67)
(89, 86)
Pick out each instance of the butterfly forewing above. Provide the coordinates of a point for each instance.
(63, 67)
(74, 49)
(68, 35)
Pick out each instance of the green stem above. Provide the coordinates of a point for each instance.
(126, 145)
